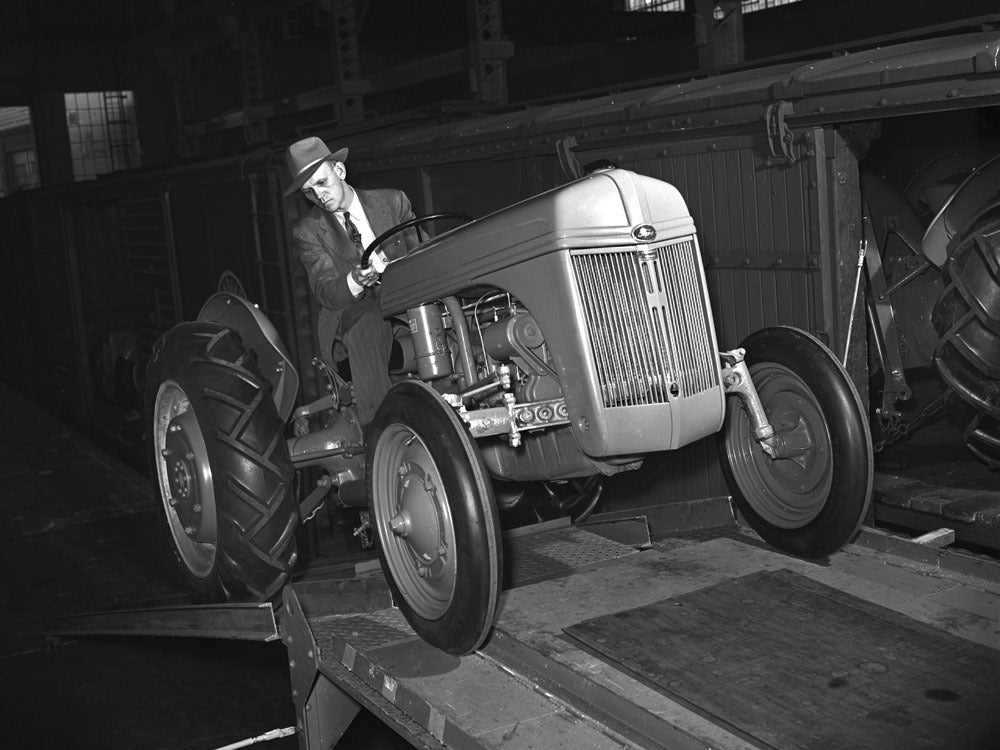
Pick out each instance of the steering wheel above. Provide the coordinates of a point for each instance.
(417, 222)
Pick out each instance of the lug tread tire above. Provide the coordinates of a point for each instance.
(967, 320)
(252, 472)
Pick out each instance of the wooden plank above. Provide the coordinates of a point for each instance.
(975, 533)
(936, 538)
(982, 509)
(874, 542)
(237, 621)
(783, 660)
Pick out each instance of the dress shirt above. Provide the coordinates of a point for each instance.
(360, 220)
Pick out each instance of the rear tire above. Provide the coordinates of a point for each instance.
(220, 465)
(813, 503)
(435, 518)
(967, 319)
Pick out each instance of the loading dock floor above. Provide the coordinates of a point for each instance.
(76, 544)
(532, 686)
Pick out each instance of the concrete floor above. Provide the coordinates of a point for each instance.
(81, 534)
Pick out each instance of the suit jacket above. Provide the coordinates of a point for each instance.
(328, 254)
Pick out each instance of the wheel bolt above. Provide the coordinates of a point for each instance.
(189, 530)
(400, 525)
(165, 452)
(172, 501)
(442, 550)
(175, 428)
(422, 571)
(401, 471)
(189, 456)
(197, 508)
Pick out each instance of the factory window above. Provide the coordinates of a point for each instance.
(655, 5)
(679, 6)
(102, 132)
(23, 169)
(749, 6)
(18, 163)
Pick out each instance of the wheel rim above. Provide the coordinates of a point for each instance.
(184, 476)
(786, 492)
(414, 521)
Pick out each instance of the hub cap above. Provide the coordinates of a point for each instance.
(414, 521)
(790, 491)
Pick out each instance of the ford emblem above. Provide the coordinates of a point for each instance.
(644, 233)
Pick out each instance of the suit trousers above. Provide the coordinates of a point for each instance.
(368, 340)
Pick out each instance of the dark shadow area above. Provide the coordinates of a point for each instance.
(82, 534)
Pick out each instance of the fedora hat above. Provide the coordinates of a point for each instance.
(304, 158)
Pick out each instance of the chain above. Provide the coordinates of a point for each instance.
(895, 429)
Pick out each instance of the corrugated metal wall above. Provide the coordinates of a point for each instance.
(756, 225)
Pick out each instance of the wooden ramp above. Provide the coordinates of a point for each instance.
(535, 686)
(961, 497)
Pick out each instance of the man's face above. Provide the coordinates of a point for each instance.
(327, 189)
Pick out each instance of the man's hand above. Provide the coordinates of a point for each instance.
(364, 275)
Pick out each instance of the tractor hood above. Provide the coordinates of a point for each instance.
(610, 208)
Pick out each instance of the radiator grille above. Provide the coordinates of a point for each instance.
(647, 322)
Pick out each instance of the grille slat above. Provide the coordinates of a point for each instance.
(647, 322)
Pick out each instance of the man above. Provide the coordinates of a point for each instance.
(330, 239)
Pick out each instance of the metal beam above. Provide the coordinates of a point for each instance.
(349, 105)
(488, 52)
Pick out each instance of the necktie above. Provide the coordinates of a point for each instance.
(352, 231)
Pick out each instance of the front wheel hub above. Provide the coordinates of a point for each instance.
(401, 525)
(419, 518)
(789, 486)
(413, 519)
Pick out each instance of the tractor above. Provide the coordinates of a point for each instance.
(559, 340)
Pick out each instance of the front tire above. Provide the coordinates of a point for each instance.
(221, 465)
(435, 518)
(811, 503)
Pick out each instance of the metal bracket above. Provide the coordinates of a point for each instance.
(862, 251)
(298, 639)
(513, 418)
(309, 507)
(324, 710)
(779, 135)
(737, 381)
(881, 316)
